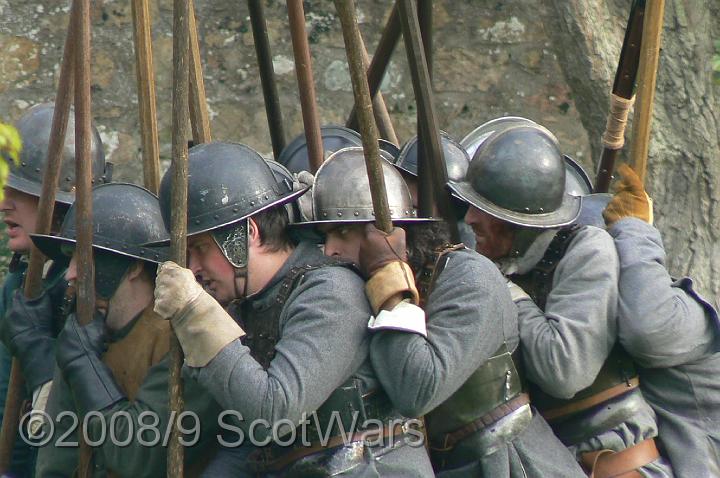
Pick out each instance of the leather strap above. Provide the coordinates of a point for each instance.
(621, 464)
(453, 438)
(589, 402)
(267, 459)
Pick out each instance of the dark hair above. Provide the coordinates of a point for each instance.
(424, 242)
(272, 226)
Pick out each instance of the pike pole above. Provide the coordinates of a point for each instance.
(380, 60)
(382, 116)
(178, 217)
(363, 103)
(306, 86)
(145, 73)
(431, 167)
(622, 98)
(267, 76)
(46, 207)
(647, 76)
(85, 284)
(199, 118)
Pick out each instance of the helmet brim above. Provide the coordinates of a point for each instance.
(51, 246)
(34, 189)
(566, 214)
(404, 220)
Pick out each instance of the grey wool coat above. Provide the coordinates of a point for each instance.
(323, 342)
(469, 315)
(565, 345)
(674, 335)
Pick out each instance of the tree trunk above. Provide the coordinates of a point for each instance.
(684, 159)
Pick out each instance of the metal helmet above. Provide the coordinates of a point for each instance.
(472, 141)
(126, 218)
(390, 148)
(35, 129)
(577, 180)
(518, 175)
(341, 191)
(227, 183)
(456, 159)
(334, 138)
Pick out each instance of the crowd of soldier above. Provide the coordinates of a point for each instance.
(552, 343)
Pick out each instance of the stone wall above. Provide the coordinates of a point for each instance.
(491, 58)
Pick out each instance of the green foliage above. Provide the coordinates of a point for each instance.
(10, 146)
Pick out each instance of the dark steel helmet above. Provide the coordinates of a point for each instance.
(390, 148)
(472, 141)
(227, 182)
(35, 128)
(126, 217)
(518, 175)
(577, 180)
(334, 138)
(456, 159)
(341, 191)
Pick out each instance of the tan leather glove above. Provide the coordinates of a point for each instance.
(630, 199)
(202, 326)
(383, 259)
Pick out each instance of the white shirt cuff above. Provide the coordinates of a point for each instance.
(404, 317)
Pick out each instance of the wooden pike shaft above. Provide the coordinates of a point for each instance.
(199, 117)
(178, 229)
(306, 86)
(647, 76)
(382, 116)
(432, 164)
(145, 73)
(267, 76)
(363, 102)
(380, 60)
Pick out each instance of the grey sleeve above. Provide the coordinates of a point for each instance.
(465, 315)
(660, 324)
(566, 346)
(323, 342)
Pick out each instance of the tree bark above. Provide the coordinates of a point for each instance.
(684, 158)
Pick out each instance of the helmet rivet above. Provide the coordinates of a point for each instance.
(67, 178)
(324, 214)
(527, 209)
(339, 214)
(142, 253)
(252, 203)
(542, 210)
(235, 209)
(266, 197)
(357, 213)
(197, 221)
(216, 216)
(157, 256)
(37, 170)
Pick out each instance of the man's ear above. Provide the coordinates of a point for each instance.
(253, 233)
(135, 270)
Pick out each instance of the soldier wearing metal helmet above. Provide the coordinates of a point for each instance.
(20, 210)
(116, 367)
(451, 361)
(671, 331)
(291, 355)
(563, 280)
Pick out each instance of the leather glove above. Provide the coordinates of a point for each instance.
(630, 199)
(383, 259)
(202, 326)
(79, 356)
(378, 249)
(27, 333)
